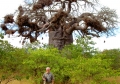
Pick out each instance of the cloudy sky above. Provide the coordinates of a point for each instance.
(9, 6)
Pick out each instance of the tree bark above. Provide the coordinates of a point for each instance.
(59, 38)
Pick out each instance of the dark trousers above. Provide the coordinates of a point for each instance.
(46, 82)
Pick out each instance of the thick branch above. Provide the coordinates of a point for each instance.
(69, 7)
(44, 28)
(75, 27)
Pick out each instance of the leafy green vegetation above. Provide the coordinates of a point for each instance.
(75, 64)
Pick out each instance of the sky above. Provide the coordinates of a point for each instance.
(9, 6)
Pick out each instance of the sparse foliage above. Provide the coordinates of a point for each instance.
(60, 18)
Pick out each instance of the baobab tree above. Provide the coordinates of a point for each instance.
(60, 18)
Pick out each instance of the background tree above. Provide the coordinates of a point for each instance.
(114, 55)
(60, 18)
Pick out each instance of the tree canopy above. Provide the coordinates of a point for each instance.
(61, 17)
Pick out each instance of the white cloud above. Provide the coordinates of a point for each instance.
(13, 40)
(107, 43)
(9, 6)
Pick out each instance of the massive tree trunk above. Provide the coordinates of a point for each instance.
(59, 38)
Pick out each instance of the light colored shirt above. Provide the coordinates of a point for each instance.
(49, 77)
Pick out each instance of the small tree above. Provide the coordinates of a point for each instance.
(10, 62)
(60, 18)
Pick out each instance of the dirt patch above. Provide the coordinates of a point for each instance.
(114, 79)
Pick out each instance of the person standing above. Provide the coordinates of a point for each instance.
(48, 77)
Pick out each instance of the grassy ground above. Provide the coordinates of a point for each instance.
(115, 80)
(17, 82)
